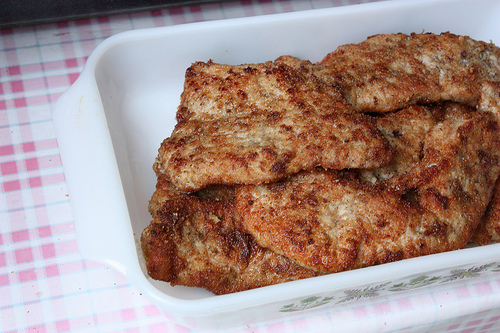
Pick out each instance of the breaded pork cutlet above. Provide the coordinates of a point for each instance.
(330, 222)
(233, 238)
(194, 240)
(387, 72)
(294, 192)
(252, 124)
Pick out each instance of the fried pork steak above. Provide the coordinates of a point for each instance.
(384, 150)
(258, 123)
(329, 221)
(194, 240)
(388, 72)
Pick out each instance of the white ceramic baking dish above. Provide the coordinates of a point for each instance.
(110, 123)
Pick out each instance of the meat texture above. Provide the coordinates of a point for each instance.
(330, 222)
(489, 229)
(406, 131)
(251, 124)
(388, 72)
(384, 150)
(193, 241)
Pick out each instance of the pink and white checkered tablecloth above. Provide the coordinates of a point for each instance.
(46, 285)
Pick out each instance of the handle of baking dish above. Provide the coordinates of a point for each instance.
(98, 204)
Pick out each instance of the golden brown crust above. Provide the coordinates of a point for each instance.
(258, 123)
(195, 242)
(388, 72)
(489, 229)
(330, 222)
(406, 131)
(247, 192)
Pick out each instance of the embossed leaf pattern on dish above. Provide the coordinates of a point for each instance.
(369, 291)
(417, 282)
(307, 303)
(470, 273)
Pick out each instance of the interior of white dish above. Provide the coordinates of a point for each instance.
(140, 78)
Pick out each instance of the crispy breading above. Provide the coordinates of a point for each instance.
(489, 229)
(271, 175)
(258, 123)
(388, 72)
(406, 131)
(193, 241)
(331, 222)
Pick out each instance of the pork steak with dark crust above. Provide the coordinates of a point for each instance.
(271, 175)
(330, 222)
(193, 240)
(253, 124)
(387, 72)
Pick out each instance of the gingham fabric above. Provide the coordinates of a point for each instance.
(46, 285)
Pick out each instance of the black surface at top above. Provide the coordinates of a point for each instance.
(29, 12)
